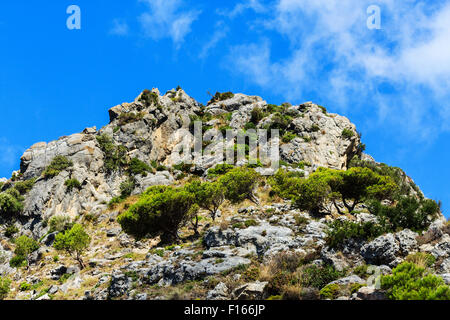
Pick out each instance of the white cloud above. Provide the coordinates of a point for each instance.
(241, 7)
(119, 28)
(167, 19)
(221, 31)
(333, 53)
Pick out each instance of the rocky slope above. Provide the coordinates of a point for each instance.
(234, 256)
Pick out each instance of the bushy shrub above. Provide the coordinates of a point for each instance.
(137, 166)
(72, 184)
(25, 246)
(127, 187)
(10, 206)
(221, 97)
(4, 287)
(115, 157)
(130, 117)
(347, 133)
(318, 277)
(238, 184)
(11, 230)
(352, 186)
(256, 115)
(330, 291)
(58, 164)
(285, 183)
(149, 98)
(24, 186)
(60, 222)
(207, 195)
(18, 262)
(409, 213)
(74, 241)
(411, 282)
(288, 137)
(160, 211)
(342, 230)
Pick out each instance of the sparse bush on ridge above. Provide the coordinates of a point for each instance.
(58, 164)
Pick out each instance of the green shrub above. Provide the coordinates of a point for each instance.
(207, 195)
(250, 223)
(74, 241)
(183, 167)
(219, 170)
(11, 230)
(72, 184)
(18, 262)
(285, 183)
(60, 222)
(127, 187)
(330, 291)
(149, 98)
(355, 184)
(25, 286)
(347, 133)
(130, 117)
(25, 246)
(288, 137)
(138, 167)
(315, 128)
(10, 206)
(361, 271)
(409, 213)
(221, 97)
(411, 282)
(58, 164)
(4, 287)
(342, 230)
(238, 184)
(318, 277)
(115, 157)
(160, 211)
(324, 110)
(249, 125)
(256, 115)
(24, 186)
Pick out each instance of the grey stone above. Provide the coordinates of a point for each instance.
(349, 280)
(114, 232)
(369, 293)
(220, 292)
(251, 291)
(382, 250)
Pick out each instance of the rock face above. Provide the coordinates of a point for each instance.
(150, 130)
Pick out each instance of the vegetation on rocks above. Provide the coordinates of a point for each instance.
(74, 241)
(411, 282)
(58, 164)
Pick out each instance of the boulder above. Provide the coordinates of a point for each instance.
(251, 291)
(220, 292)
(382, 250)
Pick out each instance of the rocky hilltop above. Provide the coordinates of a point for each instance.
(271, 245)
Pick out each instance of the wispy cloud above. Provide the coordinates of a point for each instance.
(167, 19)
(241, 7)
(332, 53)
(220, 32)
(119, 28)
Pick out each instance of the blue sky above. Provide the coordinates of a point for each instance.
(393, 82)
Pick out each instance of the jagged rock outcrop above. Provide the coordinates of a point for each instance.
(151, 128)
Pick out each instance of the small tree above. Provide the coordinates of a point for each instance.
(58, 164)
(238, 184)
(25, 246)
(160, 211)
(4, 287)
(9, 205)
(74, 241)
(208, 195)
